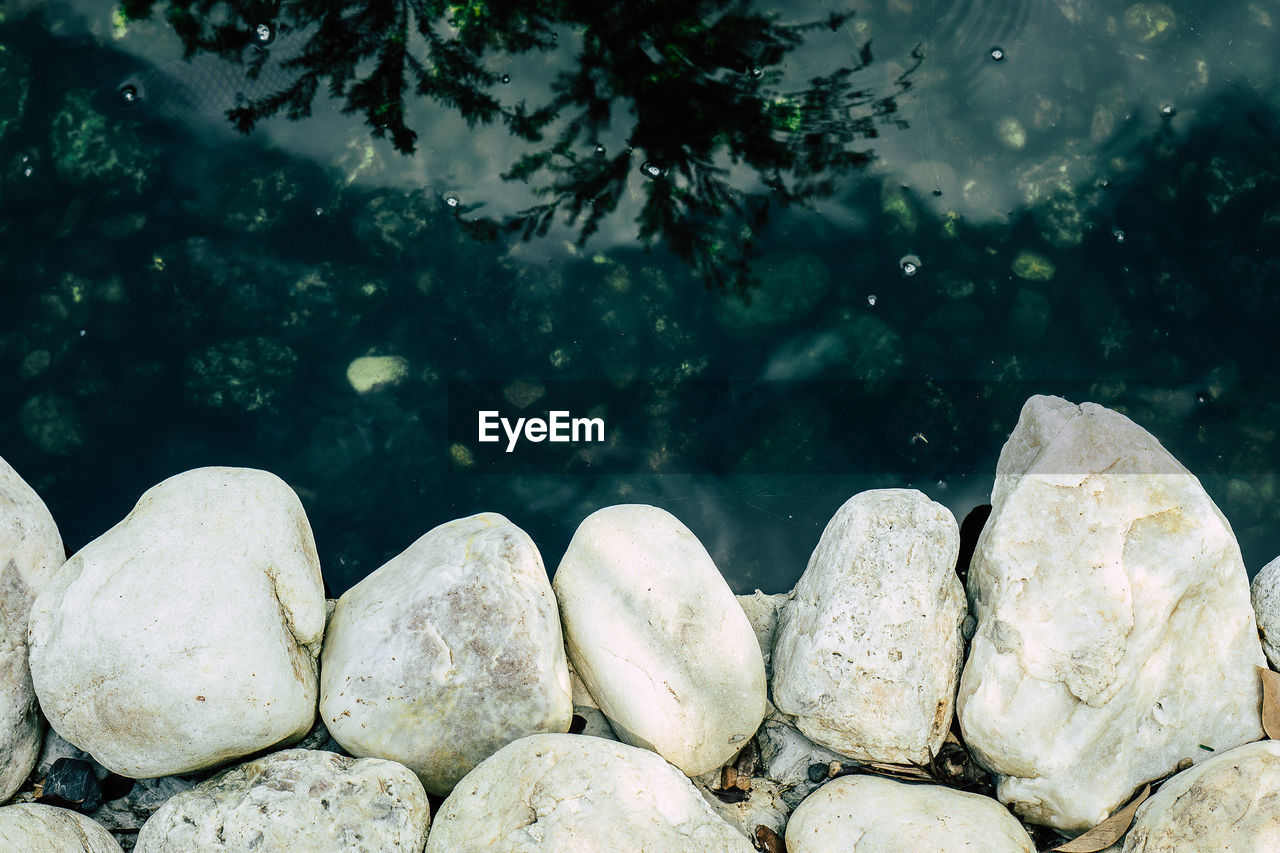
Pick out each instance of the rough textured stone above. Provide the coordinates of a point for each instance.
(1265, 593)
(574, 794)
(298, 799)
(187, 635)
(868, 651)
(867, 814)
(448, 652)
(1229, 802)
(33, 827)
(1114, 630)
(30, 552)
(658, 638)
(762, 612)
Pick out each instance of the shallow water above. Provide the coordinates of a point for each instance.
(1089, 210)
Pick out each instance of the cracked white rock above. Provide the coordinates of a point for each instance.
(298, 799)
(1265, 593)
(867, 652)
(868, 814)
(658, 638)
(576, 794)
(35, 827)
(448, 652)
(187, 635)
(1115, 633)
(1229, 802)
(30, 552)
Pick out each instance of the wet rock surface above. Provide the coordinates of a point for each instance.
(1114, 632)
(297, 799)
(447, 653)
(658, 638)
(868, 650)
(187, 635)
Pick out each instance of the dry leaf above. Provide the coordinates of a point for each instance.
(1109, 831)
(1270, 703)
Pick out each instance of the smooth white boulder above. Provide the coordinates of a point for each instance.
(868, 814)
(30, 552)
(1115, 634)
(447, 653)
(658, 638)
(46, 829)
(1229, 802)
(187, 635)
(577, 794)
(298, 799)
(868, 651)
(1265, 593)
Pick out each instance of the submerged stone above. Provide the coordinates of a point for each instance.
(1150, 22)
(17, 85)
(789, 288)
(1033, 266)
(91, 150)
(249, 374)
(371, 373)
(1114, 632)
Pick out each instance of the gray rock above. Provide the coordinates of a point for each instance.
(447, 653)
(187, 635)
(298, 799)
(1265, 594)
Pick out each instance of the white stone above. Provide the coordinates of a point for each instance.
(787, 755)
(45, 829)
(447, 653)
(575, 794)
(868, 814)
(1265, 592)
(30, 552)
(371, 373)
(658, 638)
(187, 635)
(762, 612)
(868, 651)
(300, 800)
(1115, 634)
(1229, 802)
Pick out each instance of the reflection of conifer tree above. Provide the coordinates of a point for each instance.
(696, 76)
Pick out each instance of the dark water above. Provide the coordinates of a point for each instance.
(1084, 193)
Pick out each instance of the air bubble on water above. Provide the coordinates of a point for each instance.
(1203, 397)
(82, 331)
(756, 71)
(652, 170)
(1117, 235)
(871, 300)
(264, 34)
(910, 264)
(129, 93)
(505, 78)
(997, 54)
(600, 150)
(1104, 183)
(319, 211)
(451, 200)
(1168, 110)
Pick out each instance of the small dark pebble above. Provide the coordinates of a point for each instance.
(730, 795)
(71, 785)
(817, 772)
